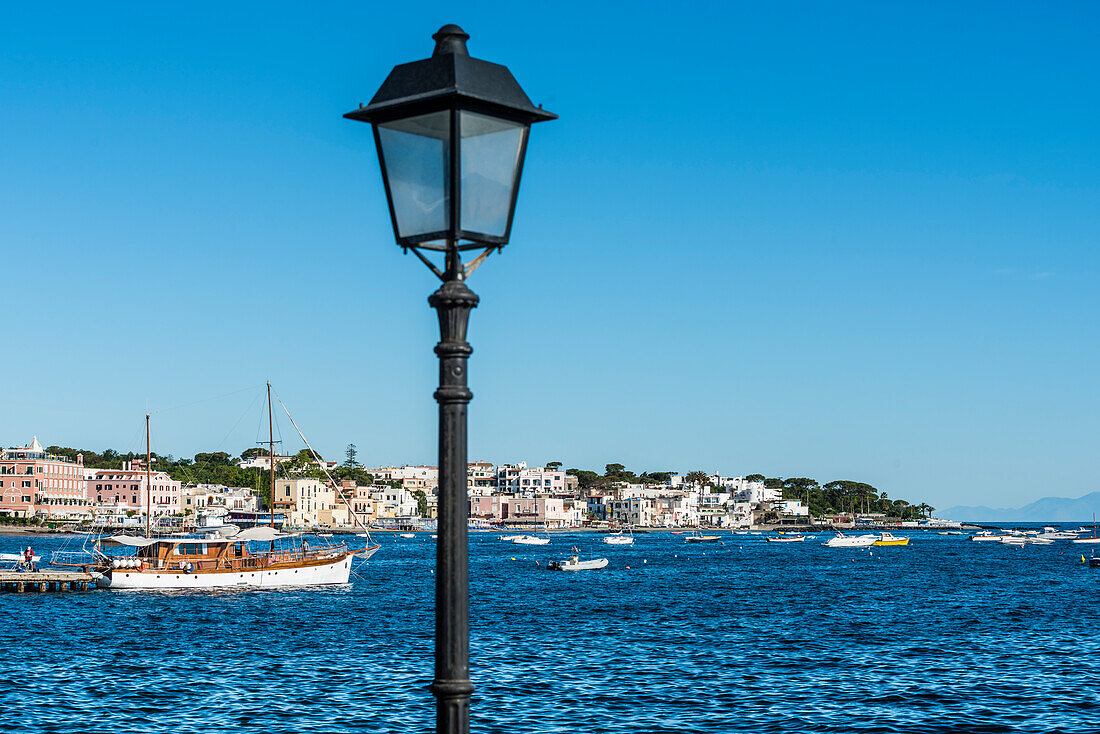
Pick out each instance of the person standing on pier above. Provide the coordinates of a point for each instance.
(28, 558)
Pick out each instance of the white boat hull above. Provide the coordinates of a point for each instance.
(862, 541)
(531, 540)
(619, 540)
(337, 571)
(1084, 541)
(592, 565)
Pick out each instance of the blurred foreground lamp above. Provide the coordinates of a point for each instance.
(451, 133)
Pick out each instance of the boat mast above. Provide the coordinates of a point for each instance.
(148, 486)
(271, 454)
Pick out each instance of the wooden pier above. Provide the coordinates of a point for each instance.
(45, 581)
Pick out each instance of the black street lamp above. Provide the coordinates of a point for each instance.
(451, 133)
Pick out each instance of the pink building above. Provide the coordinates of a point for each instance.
(33, 482)
(529, 512)
(123, 490)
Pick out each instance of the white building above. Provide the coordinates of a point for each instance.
(197, 497)
(411, 477)
(521, 480)
(631, 511)
(792, 508)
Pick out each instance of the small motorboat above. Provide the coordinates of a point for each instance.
(673, 532)
(697, 538)
(1084, 541)
(508, 538)
(888, 539)
(619, 539)
(1039, 541)
(988, 536)
(407, 535)
(530, 540)
(1014, 539)
(1093, 562)
(574, 563)
(787, 539)
(850, 541)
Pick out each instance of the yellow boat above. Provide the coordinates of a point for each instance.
(887, 539)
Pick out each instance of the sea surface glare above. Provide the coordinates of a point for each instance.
(945, 635)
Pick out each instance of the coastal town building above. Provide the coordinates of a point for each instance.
(481, 477)
(128, 490)
(522, 512)
(199, 497)
(34, 482)
(411, 477)
(309, 503)
(262, 462)
(520, 479)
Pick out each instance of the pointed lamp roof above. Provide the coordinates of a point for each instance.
(35, 446)
(450, 76)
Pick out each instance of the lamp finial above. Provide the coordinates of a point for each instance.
(450, 39)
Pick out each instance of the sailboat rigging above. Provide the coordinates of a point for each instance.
(202, 562)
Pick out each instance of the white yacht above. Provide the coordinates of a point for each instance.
(530, 540)
(851, 541)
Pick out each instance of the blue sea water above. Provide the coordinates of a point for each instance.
(942, 636)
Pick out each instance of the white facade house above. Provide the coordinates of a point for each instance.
(631, 511)
(411, 477)
(792, 508)
(522, 480)
(198, 497)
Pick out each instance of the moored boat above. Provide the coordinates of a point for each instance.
(840, 540)
(530, 540)
(787, 539)
(697, 538)
(209, 563)
(619, 539)
(574, 563)
(888, 539)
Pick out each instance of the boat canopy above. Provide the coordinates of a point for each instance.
(256, 534)
(259, 533)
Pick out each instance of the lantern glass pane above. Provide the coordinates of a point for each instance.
(490, 159)
(416, 155)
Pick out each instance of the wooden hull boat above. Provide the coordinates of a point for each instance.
(203, 563)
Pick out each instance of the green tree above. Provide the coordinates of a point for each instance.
(252, 453)
(217, 457)
(698, 478)
(754, 478)
(585, 479)
(351, 456)
(421, 503)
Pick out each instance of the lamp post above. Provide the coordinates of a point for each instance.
(451, 133)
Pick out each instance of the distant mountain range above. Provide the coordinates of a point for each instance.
(1048, 509)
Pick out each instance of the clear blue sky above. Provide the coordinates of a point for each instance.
(831, 240)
